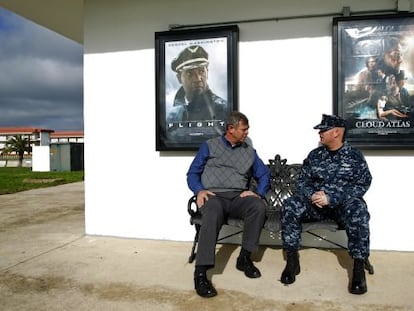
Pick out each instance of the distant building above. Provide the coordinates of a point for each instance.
(66, 151)
(67, 137)
(37, 136)
(61, 150)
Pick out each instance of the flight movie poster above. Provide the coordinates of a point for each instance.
(375, 79)
(197, 93)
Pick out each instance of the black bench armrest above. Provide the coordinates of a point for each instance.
(192, 207)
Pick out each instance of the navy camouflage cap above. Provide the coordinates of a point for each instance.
(191, 57)
(330, 121)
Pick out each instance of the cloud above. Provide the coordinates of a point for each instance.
(41, 76)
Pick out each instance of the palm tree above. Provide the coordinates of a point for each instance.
(18, 144)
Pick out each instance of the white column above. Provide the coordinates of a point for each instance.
(41, 159)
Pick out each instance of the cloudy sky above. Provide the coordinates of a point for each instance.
(41, 76)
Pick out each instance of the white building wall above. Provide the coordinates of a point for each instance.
(285, 85)
(41, 159)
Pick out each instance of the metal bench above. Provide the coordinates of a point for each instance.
(283, 177)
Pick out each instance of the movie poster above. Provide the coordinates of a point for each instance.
(183, 123)
(196, 86)
(375, 79)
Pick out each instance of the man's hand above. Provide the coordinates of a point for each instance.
(248, 193)
(320, 199)
(202, 197)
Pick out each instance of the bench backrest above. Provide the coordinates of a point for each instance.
(283, 179)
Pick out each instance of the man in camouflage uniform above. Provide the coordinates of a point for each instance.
(331, 185)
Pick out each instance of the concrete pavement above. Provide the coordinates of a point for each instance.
(48, 263)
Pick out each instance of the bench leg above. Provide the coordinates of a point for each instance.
(193, 249)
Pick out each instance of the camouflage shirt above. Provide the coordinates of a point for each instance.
(342, 174)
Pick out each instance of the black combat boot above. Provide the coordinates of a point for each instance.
(359, 284)
(202, 285)
(292, 268)
(244, 263)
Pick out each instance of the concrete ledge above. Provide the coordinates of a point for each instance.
(12, 163)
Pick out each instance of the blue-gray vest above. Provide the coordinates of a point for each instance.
(227, 169)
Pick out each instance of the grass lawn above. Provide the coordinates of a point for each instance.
(16, 179)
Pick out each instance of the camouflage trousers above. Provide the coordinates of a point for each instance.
(353, 215)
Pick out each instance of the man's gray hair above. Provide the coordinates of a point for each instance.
(235, 117)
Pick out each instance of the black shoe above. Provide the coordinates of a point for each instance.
(292, 268)
(244, 263)
(359, 284)
(203, 286)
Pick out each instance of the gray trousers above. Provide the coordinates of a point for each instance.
(215, 211)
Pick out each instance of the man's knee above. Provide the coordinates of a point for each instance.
(356, 208)
(292, 206)
(356, 201)
(261, 207)
(212, 211)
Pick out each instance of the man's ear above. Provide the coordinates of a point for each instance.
(339, 131)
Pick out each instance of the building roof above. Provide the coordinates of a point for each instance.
(59, 134)
(64, 16)
(23, 130)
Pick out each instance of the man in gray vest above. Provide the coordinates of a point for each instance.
(219, 175)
